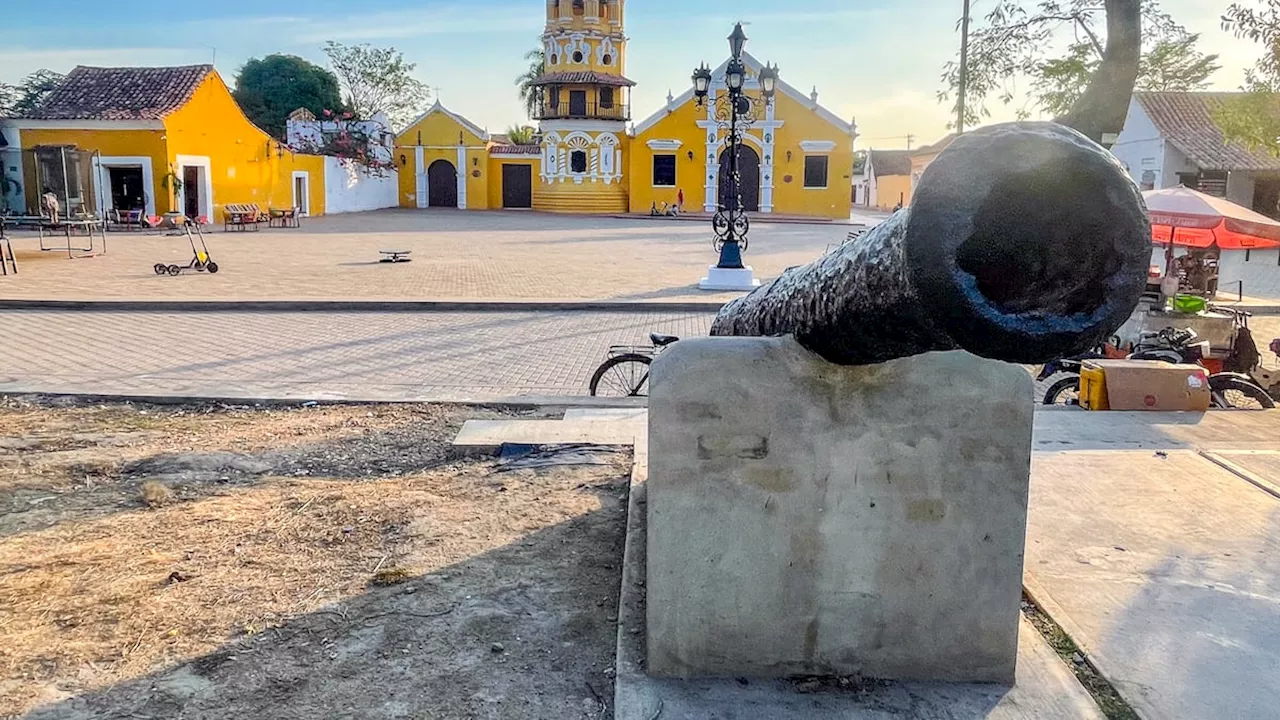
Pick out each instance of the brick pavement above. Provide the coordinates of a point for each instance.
(457, 255)
(358, 356)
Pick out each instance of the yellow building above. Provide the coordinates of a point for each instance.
(922, 158)
(140, 129)
(797, 157)
(886, 179)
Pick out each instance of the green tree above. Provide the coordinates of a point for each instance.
(1253, 119)
(270, 88)
(28, 94)
(1011, 46)
(528, 91)
(520, 134)
(377, 79)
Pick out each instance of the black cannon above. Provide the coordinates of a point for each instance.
(1024, 242)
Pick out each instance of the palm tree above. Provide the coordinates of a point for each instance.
(528, 91)
(520, 134)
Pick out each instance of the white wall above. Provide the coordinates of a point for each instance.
(1140, 146)
(1240, 186)
(348, 188)
(1175, 162)
(11, 165)
(1260, 273)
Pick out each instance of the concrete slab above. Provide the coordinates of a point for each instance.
(1163, 567)
(483, 435)
(813, 519)
(1260, 467)
(1076, 429)
(605, 413)
(1046, 689)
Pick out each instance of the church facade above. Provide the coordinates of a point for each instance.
(591, 156)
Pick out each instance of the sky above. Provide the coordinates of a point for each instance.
(873, 60)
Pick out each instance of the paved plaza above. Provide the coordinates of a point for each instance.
(472, 356)
(457, 255)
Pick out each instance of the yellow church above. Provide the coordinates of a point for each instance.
(797, 158)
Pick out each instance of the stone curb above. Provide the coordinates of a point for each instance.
(279, 306)
(522, 401)
(825, 222)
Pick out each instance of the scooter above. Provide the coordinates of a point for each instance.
(200, 260)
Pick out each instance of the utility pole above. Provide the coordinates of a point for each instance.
(964, 69)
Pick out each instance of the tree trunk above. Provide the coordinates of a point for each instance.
(1105, 103)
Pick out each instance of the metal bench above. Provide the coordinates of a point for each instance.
(395, 256)
(241, 217)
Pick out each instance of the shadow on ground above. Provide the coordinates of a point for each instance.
(523, 631)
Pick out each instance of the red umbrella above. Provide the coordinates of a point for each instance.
(1193, 219)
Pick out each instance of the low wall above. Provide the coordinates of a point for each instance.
(811, 519)
(348, 188)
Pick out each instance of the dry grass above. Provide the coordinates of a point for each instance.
(156, 494)
(102, 595)
(109, 587)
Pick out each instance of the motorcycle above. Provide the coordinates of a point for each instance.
(1227, 389)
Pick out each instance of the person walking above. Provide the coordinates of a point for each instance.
(680, 200)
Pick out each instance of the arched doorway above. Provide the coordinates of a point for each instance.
(442, 184)
(749, 183)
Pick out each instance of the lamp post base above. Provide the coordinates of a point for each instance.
(719, 278)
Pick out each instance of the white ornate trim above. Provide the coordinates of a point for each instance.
(422, 189)
(664, 144)
(303, 204)
(603, 151)
(438, 108)
(462, 178)
(22, 124)
(205, 194)
(102, 194)
(752, 83)
(817, 146)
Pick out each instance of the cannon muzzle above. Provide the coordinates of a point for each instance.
(1024, 242)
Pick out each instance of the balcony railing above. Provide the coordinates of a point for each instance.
(583, 111)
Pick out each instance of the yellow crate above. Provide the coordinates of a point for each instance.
(1093, 387)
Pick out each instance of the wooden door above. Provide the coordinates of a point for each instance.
(191, 191)
(577, 103)
(442, 184)
(517, 186)
(748, 180)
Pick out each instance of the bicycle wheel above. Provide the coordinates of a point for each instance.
(1236, 394)
(1064, 392)
(622, 376)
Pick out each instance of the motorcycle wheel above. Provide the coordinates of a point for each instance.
(1064, 392)
(1236, 394)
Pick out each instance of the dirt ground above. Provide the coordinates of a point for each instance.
(332, 561)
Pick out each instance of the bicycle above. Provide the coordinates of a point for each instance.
(625, 373)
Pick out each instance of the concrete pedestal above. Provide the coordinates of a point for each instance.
(719, 278)
(807, 518)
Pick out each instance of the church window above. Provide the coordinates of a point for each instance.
(579, 6)
(577, 56)
(815, 171)
(606, 97)
(578, 161)
(664, 170)
(555, 59)
(607, 59)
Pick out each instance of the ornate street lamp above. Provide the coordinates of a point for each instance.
(733, 112)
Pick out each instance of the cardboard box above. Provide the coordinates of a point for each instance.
(1153, 385)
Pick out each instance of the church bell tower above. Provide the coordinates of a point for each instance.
(583, 107)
